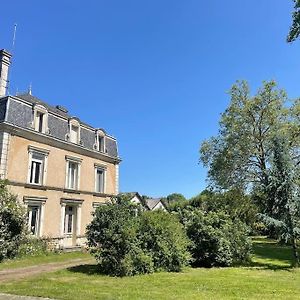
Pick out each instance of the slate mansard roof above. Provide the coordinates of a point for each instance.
(18, 111)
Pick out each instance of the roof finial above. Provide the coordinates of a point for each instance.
(30, 89)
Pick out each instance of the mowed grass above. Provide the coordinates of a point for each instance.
(42, 259)
(269, 276)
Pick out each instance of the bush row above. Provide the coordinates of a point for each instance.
(127, 241)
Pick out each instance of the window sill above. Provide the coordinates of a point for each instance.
(35, 186)
(99, 194)
(71, 191)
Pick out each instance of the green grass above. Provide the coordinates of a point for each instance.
(41, 259)
(268, 277)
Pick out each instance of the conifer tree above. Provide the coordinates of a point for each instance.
(283, 196)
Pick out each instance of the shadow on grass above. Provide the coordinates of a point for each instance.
(88, 269)
(269, 254)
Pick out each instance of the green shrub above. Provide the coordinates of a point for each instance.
(12, 223)
(112, 238)
(127, 242)
(163, 237)
(216, 239)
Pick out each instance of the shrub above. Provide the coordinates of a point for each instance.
(112, 238)
(163, 237)
(12, 223)
(127, 242)
(216, 239)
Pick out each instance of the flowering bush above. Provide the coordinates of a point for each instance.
(12, 223)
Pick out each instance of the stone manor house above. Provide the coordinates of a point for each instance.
(58, 166)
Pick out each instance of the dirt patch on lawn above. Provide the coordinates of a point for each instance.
(20, 273)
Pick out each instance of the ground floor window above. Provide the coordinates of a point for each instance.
(33, 218)
(69, 219)
(35, 214)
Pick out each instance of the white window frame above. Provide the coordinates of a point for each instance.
(104, 169)
(38, 202)
(100, 140)
(44, 164)
(75, 160)
(76, 204)
(74, 123)
(39, 109)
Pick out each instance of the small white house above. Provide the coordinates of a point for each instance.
(147, 204)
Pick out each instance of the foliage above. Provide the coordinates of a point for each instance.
(295, 27)
(239, 156)
(32, 246)
(217, 239)
(112, 238)
(119, 238)
(233, 202)
(162, 237)
(172, 198)
(284, 195)
(12, 223)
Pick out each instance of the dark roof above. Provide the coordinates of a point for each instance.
(34, 100)
(153, 202)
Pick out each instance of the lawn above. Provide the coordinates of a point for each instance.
(268, 276)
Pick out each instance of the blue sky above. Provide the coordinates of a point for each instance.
(152, 73)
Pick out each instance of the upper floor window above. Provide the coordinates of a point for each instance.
(40, 119)
(74, 128)
(100, 140)
(37, 165)
(100, 179)
(73, 173)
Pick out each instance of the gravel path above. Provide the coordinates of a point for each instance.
(20, 273)
(14, 297)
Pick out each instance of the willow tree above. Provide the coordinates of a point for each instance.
(239, 156)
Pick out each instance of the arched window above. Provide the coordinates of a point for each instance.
(74, 131)
(100, 140)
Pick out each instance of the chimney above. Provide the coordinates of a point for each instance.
(4, 67)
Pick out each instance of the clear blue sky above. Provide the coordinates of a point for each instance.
(153, 73)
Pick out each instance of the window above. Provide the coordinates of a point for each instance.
(36, 170)
(69, 219)
(100, 140)
(33, 217)
(40, 119)
(73, 172)
(100, 179)
(74, 128)
(37, 165)
(35, 214)
(72, 175)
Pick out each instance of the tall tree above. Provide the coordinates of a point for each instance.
(295, 28)
(238, 157)
(283, 195)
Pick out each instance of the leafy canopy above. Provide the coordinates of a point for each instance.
(239, 156)
(295, 27)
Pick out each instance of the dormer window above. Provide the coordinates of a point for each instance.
(100, 140)
(40, 119)
(74, 131)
